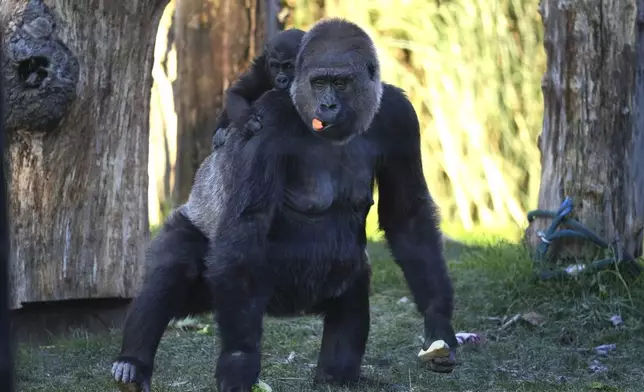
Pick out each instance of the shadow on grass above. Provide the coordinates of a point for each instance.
(490, 280)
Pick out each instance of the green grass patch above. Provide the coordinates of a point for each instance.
(491, 281)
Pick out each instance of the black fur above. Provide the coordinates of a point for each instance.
(282, 216)
(273, 68)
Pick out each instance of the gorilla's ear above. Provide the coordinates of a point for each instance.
(371, 68)
(265, 48)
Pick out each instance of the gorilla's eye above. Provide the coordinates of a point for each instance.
(319, 83)
(288, 65)
(340, 84)
(274, 64)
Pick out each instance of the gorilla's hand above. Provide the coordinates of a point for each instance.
(440, 356)
(253, 125)
(219, 138)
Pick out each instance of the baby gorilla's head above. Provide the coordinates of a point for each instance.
(280, 57)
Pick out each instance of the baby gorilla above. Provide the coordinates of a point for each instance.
(272, 69)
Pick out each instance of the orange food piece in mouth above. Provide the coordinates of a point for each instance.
(317, 124)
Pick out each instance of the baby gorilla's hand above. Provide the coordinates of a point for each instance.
(219, 138)
(253, 125)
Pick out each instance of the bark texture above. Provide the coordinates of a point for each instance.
(78, 76)
(593, 129)
(6, 345)
(216, 40)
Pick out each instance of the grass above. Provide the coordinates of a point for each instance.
(491, 280)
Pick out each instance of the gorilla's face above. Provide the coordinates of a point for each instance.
(332, 113)
(281, 52)
(281, 72)
(337, 85)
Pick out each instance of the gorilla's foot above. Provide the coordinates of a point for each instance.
(443, 364)
(440, 357)
(130, 376)
(238, 370)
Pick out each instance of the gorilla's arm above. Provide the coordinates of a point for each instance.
(248, 88)
(408, 217)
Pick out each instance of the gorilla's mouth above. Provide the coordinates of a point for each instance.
(334, 132)
(281, 82)
(319, 125)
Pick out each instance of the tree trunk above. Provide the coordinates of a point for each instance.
(593, 129)
(215, 42)
(6, 346)
(78, 80)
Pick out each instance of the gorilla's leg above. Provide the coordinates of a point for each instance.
(344, 340)
(174, 262)
(346, 329)
(241, 292)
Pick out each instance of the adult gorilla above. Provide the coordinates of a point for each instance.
(282, 216)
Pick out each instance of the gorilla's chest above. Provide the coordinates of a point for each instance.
(317, 239)
(323, 177)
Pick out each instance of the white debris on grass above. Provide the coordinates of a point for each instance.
(604, 349)
(617, 320)
(467, 337)
(403, 300)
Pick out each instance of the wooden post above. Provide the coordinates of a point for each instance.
(78, 78)
(6, 354)
(272, 24)
(593, 127)
(216, 40)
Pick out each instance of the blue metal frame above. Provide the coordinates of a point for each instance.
(575, 230)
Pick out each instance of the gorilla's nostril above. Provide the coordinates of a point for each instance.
(330, 107)
(33, 70)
